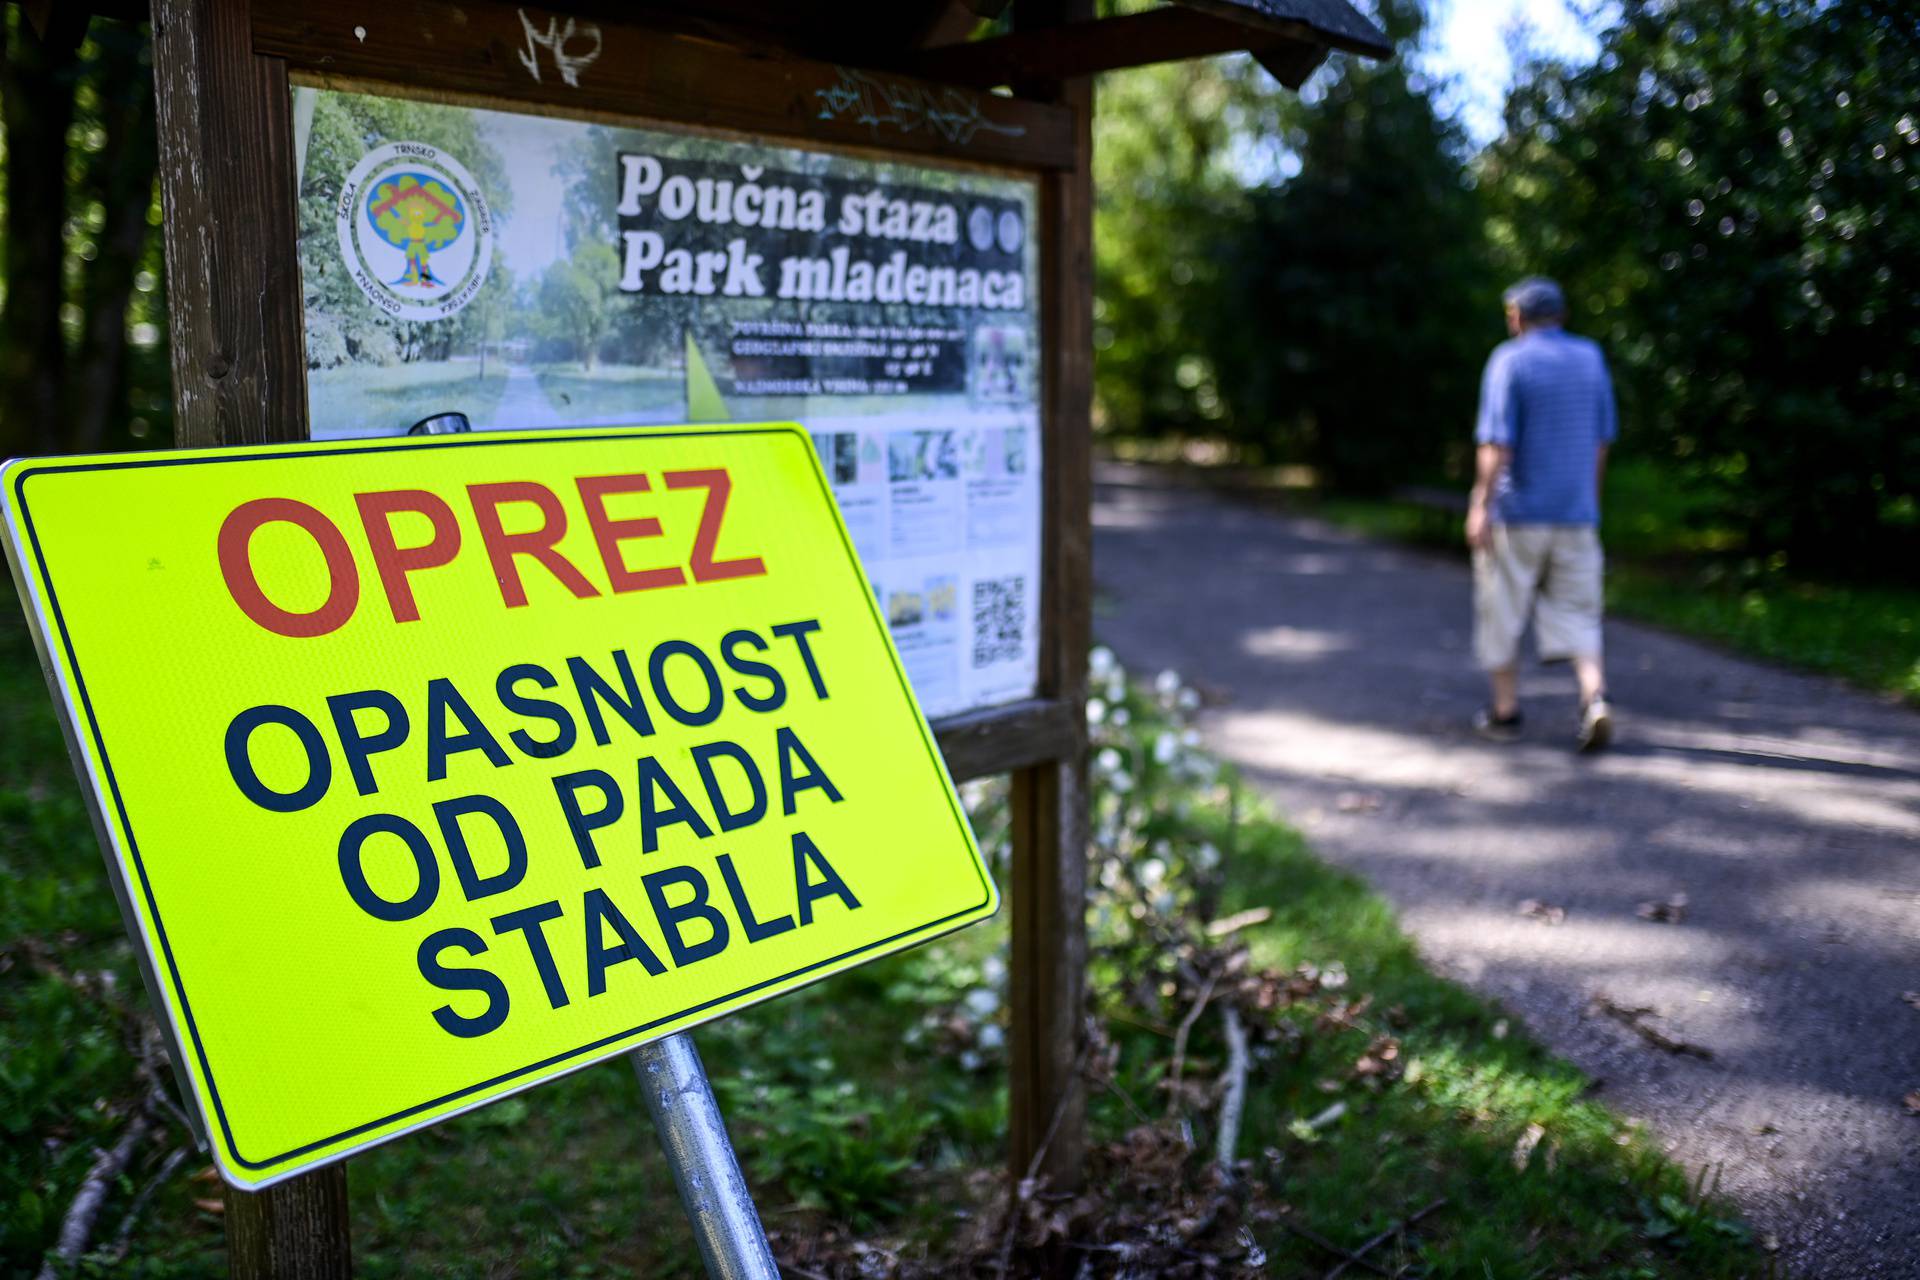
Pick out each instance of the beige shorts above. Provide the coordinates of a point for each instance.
(1550, 572)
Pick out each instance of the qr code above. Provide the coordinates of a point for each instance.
(999, 619)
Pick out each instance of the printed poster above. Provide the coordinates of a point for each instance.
(525, 271)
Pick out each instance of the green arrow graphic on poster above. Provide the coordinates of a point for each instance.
(704, 403)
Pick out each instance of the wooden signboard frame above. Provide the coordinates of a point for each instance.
(224, 70)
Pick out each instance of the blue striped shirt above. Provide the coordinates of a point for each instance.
(1546, 395)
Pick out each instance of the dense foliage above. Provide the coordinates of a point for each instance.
(1168, 194)
(1359, 298)
(1306, 277)
(1727, 192)
(82, 298)
(1730, 193)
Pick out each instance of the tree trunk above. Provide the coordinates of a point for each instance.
(121, 178)
(38, 73)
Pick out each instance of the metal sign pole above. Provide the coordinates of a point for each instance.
(694, 1137)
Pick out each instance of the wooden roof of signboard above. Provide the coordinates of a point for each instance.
(930, 38)
(1288, 37)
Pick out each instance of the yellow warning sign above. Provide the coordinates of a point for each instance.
(435, 768)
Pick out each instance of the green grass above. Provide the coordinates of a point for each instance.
(869, 1101)
(361, 400)
(1668, 564)
(1464, 1083)
(1867, 635)
(612, 393)
(1594, 1197)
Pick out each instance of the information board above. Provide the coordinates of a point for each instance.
(434, 768)
(528, 271)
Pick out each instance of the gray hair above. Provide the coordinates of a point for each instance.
(1536, 298)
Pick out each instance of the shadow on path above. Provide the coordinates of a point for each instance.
(1786, 808)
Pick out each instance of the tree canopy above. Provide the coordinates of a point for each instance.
(1729, 193)
(1725, 191)
(1307, 277)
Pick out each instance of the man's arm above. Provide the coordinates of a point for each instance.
(1489, 464)
(1493, 433)
(1609, 427)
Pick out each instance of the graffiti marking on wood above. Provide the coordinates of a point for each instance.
(555, 40)
(953, 114)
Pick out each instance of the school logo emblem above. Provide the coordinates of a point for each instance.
(415, 231)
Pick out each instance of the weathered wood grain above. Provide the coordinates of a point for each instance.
(239, 377)
(294, 1230)
(226, 187)
(480, 52)
(997, 739)
(1169, 34)
(1048, 890)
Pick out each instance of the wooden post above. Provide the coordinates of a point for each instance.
(294, 1230)
(1047, 1118)
(225, 119)
(239, 377)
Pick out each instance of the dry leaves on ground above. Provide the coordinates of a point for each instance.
(1544, 912)
(1671, 910)
(1150, 1209)
(1523, 1149)
(1635, 1019)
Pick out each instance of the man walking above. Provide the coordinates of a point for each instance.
(1546, 418)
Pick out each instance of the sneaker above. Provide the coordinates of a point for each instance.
(1596, 725)
(1496, 728)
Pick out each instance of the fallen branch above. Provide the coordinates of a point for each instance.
(1349, 1258)
(124, 1235)
(77, 1226)
(1233, 1102)
(150, 1049)
(1180, 1044)
(1392, 1231)
(1634, 1019)
(1113, 1088)
(1239, 920)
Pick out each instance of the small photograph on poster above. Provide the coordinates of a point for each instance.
(1001, 366)
(924, 618)
(942, 595)
(1013, 451)
(839, 456)
(906, 609)
(997, 453)
(922, 455)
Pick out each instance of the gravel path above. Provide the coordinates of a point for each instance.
(1785, 807)
(523, 403)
